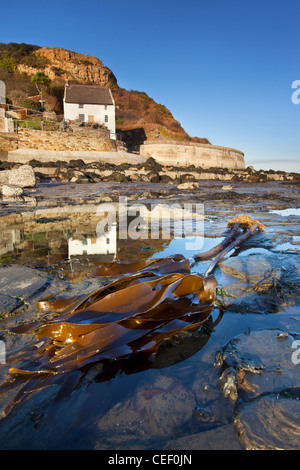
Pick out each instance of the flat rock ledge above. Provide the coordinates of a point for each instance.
(18, 284)
(260, 372)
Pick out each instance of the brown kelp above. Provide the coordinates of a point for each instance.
(129, 317)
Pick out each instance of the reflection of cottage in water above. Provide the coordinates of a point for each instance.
(104, 245)
(2, 92)
(9, 239)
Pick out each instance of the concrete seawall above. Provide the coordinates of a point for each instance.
(25, 155)
(190, 153)
(45, 146)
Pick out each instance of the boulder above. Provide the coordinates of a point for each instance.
(186, 178)
(23, 177)
(117, 177)
(188, 185)
(166, 179)
(11, 191)
(153, 177)
(4, 177)
(152, 165)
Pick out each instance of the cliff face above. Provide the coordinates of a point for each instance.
(138, 117)
(61, 63)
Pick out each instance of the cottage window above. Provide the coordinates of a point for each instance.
(106, 118)
(80, 105)
(105, 106)
(81, 117)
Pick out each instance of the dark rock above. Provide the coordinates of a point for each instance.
(117, 177)
(220, 438)
(253, 179)
(272, 281)
(186, 178)
(153, 177)
(76, 163)
(269, 423)
(165, 179)
(256, 363)
(151, 412)
(152, 165)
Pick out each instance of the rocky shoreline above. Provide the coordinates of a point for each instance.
(76, 171)
(232, 376)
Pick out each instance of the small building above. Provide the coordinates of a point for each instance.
(2, 92)
(90, 103)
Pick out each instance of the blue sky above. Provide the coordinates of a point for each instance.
(224, 68)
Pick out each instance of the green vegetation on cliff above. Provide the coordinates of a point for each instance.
(13, 54)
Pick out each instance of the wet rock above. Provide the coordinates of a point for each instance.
(11, 191)
(23, 176)
(152, 412)
(250, 265)
(203, 414)
(269, 423)
(21, 282)
(258, 362)
(220, 438)
(228, 383)
(272, 281)
(8, 305)
(227, 187)
(181, 346)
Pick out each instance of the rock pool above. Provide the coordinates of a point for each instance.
(215, 388)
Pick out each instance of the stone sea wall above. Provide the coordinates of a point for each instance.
(55, 145)
(190, 153)
(8, 142)
(62, 141)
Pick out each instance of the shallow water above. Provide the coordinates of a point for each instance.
(140, 405)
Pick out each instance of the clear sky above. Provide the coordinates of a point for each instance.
(224, 68)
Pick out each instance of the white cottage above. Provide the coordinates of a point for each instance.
(90, 103)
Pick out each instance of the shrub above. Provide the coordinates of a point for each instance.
(30, 104)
